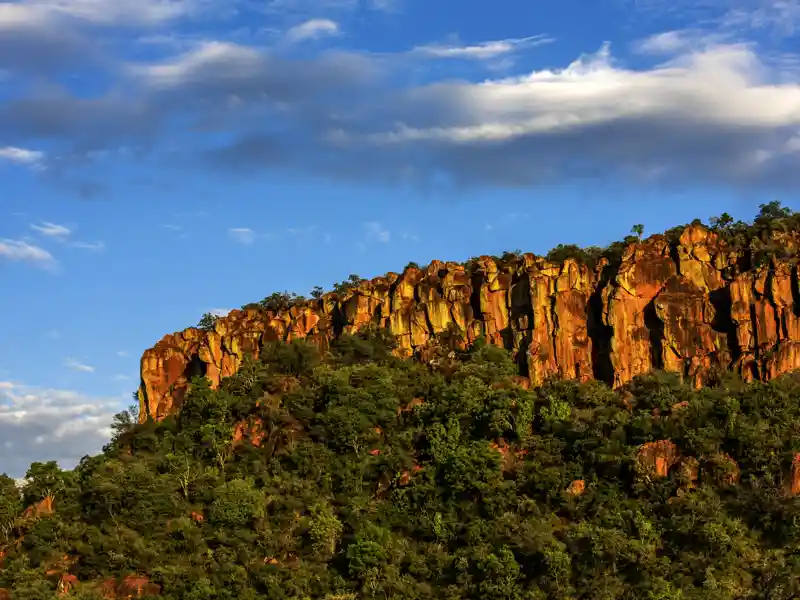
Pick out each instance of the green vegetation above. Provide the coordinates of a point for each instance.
(756, 237)
(370, 476)
(207, 322)
(345, 286)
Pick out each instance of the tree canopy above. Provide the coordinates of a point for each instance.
(357, 474)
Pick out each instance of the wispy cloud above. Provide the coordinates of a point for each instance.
(76, 365)
(243, 235)
(481, 50)
(375, 231)
(386, 5)
(21, 251)
(91, 246)
(301, 231)
(409, 237)
(312, 29)
(219, 312)
(778, 16)
(123, 353)
(121, 377)
(49, 229)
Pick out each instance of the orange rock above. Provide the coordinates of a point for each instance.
(66, 584)
(576, 488)
(410, 406)
(655, 459)
(197, 517)
(794, 478)
(680, 305)
(252, 430)
(42, 508)
(135, 587)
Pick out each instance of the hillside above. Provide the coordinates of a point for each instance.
(697, 300)
(359, 474)
(618, 423)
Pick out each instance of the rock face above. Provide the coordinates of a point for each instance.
(692, 305)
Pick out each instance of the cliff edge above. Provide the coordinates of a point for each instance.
(691, 302)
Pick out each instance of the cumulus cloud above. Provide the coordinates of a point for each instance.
(243, 235)
(102, 12)
(21, 251)
(711, 115)
(41, 424)
(20, 156)
(312, 29)
(49, 229)
(76, 365)
(695, 109)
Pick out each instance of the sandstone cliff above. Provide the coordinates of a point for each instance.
(691, 304)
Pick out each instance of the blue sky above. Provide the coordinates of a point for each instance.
(163, 158)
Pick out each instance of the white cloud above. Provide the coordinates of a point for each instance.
(377, 232)
(68, 423)
(301, 231)
(123, 353)
(701, 112)
(91, 246)
(49, 229)
(243, 235)
(214, 60)
(76, 365)
(121, 378)
(312, 29)
(677, 41)
(100, 12)
(220, 312)
(21, 156)
(709, 113)
(385, 5)
(482, 50)
(21, 251)
(778, 16)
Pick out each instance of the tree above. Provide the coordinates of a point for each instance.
(773, 210)
(207, 322)
(638, 230)
(723, 223)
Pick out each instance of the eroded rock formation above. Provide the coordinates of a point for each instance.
(692, 305)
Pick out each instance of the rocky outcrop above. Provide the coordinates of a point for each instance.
(691, 305)
(655, 459)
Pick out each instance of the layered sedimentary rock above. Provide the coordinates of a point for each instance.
(692, 305)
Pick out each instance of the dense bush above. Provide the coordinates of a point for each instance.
(361, 475)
